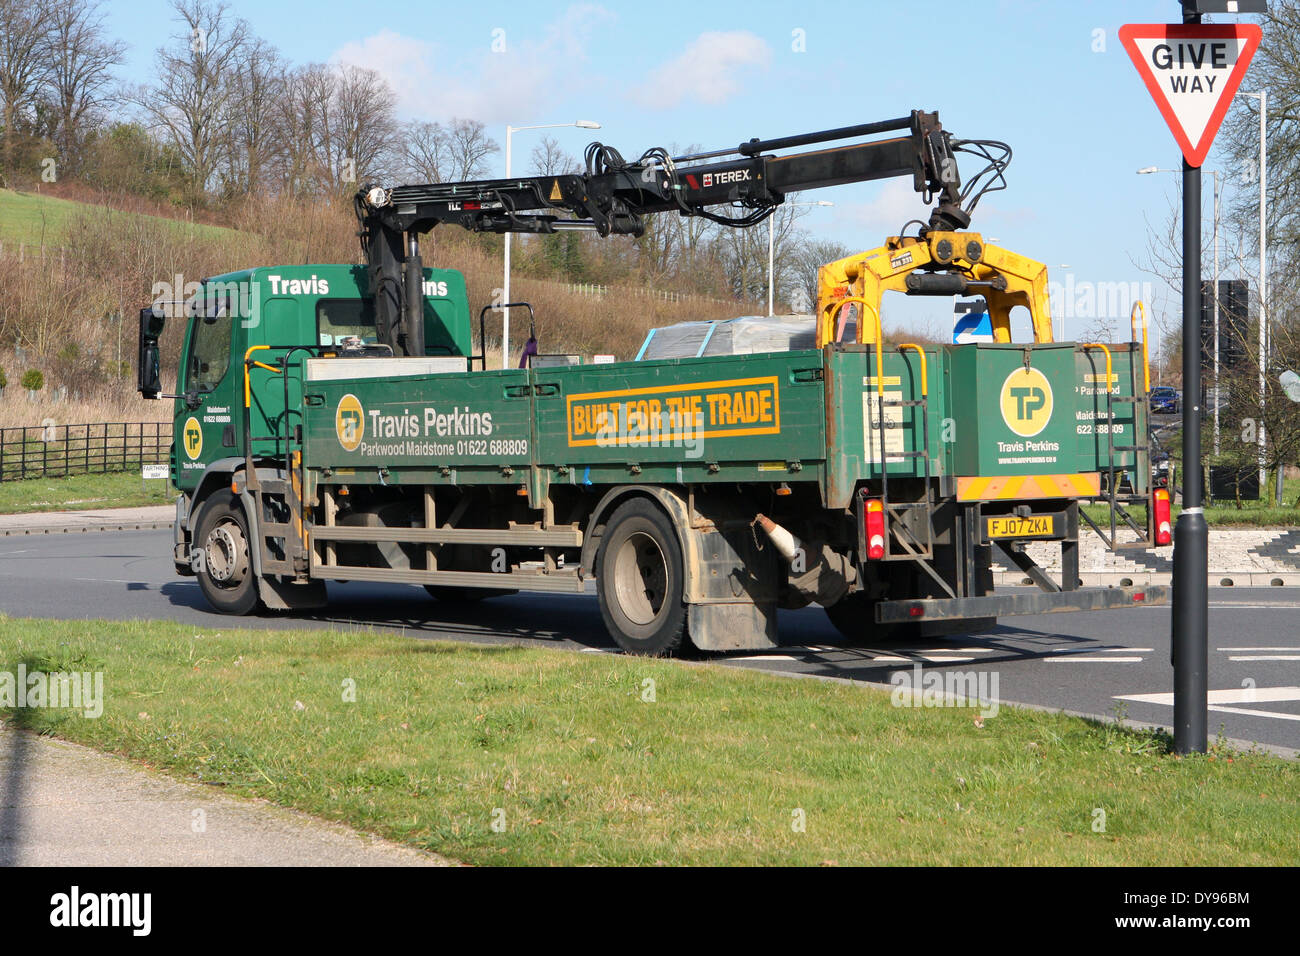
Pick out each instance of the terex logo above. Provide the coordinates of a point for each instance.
(720, 179)
(1026, 401)
(349, 422)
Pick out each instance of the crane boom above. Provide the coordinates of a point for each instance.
(613, 195)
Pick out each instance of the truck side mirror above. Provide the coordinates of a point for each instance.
(149, 381)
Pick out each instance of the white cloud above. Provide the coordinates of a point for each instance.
(710, 70)
(510, 85)
(895, 204)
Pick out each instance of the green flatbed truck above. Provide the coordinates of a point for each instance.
(334, 423)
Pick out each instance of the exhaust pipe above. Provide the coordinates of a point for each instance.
(786, 543)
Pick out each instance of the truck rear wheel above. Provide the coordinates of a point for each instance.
(640, 577)
(226, 576)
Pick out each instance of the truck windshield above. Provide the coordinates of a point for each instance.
(209, 353)
(338, 318)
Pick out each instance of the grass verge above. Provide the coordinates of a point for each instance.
(83, 492)
(567, 754)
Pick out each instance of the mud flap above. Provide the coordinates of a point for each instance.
(742, 626)
(280, 595)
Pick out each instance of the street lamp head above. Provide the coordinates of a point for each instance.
(1148, 169)
(586, 124)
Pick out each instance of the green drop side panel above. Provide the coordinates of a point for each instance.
(1095, 415)
(1013, 409)
(478, 424)
(675, 417)
(857, 409)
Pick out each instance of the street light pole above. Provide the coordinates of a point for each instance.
(1215, 174)
(771, 245)
(1262, 96)
(505, 286)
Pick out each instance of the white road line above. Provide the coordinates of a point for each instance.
(1234, 695)
(1100, 650)
(1230, 649)
(1253, 713)
(1264, 657)
(1084, 659)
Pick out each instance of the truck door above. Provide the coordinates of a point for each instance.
(205, 411)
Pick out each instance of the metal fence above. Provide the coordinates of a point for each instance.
(56, 451)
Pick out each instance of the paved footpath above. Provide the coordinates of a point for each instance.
(98, 519)
(1239, 557)
(62, 804)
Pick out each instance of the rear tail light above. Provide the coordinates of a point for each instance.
(1160, 516)
(873, 518)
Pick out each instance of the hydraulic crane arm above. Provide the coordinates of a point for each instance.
(612, 196)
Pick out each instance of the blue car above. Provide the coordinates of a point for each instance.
(1166, 400)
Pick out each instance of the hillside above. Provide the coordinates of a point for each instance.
(35, 220)
(60, 313)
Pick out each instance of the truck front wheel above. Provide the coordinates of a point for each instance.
(640, 578)
(226, 571)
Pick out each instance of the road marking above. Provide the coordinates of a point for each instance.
(1099, 650)
(1235, 695)
(1084, 659)
(1229, 649)
(1254, 713)
(1264, 657)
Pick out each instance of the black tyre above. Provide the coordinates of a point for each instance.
(640, 577)
(226, 576)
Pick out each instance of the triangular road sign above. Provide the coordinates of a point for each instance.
(1192, 71)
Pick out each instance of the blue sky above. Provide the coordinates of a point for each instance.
(1050, 78)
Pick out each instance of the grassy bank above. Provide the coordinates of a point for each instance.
(564, 750)
(36, 220)
(83, 492)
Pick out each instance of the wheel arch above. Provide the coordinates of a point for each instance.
(674, 506)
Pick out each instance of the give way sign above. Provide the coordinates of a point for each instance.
(1192, 71)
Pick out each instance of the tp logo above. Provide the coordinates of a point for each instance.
(192, 438)
(1026, 401)
(349, 422)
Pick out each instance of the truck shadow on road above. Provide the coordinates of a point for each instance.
(810, 644)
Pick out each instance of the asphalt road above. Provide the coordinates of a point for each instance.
(1099, 663)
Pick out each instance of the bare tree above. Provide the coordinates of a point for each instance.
(470, 147)
(303, 116)
(24, 65)
(195, 85)
(426, 152)
(256, 139)
(363, 128)
(340, 127)
(81, 60)
(808, 256)
(549, 159)
(1276, 68)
